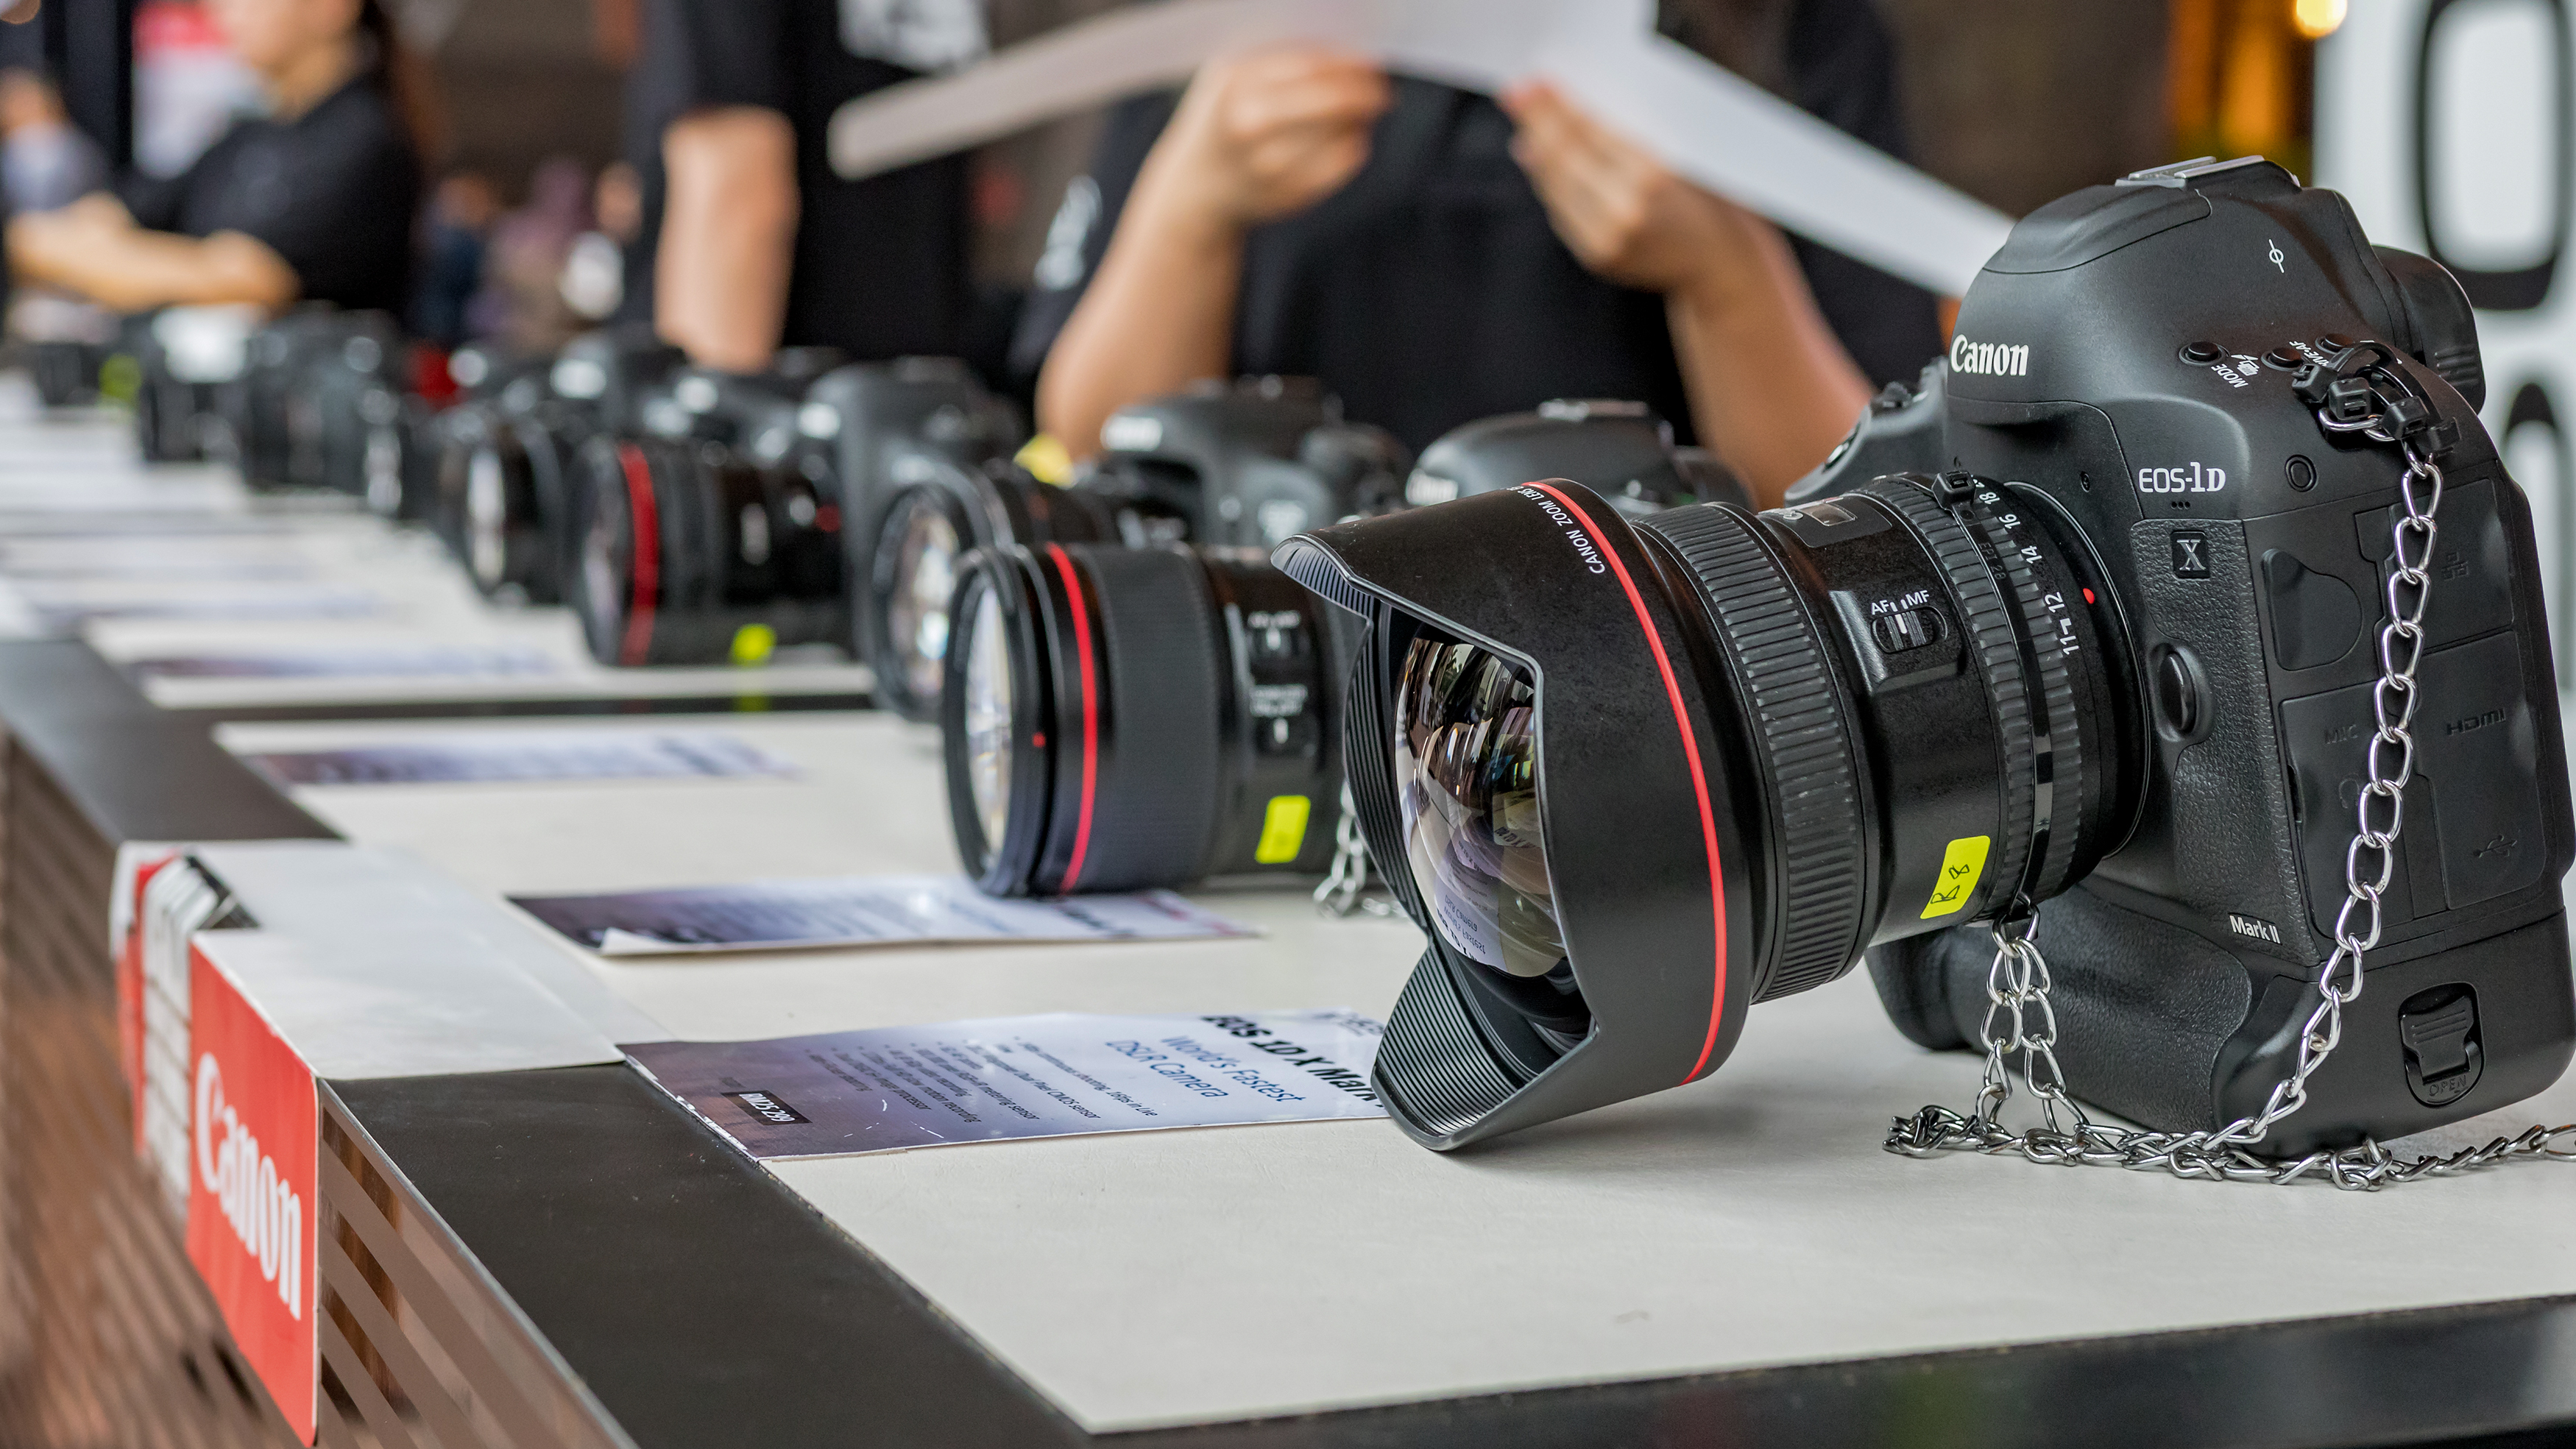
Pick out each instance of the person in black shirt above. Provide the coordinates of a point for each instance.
(1435, 256)
(313, 202)
(750, 239)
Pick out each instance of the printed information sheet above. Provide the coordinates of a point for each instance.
(1009, 1078)
(523, 756)
(428, 661)
(886, 910)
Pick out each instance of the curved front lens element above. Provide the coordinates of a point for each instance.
(604, 546)
(988, 726)
(1466, 774)
(925, 574)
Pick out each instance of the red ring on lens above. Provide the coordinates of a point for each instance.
(1699, 774)
(1090, 712)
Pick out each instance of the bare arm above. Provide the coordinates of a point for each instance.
(94, 248)
(1253, 139)
(1771, 388)
(728, 235)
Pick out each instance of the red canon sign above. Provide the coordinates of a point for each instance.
(252, 1185)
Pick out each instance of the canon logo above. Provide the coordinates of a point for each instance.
(266, 1215)
(1989, 359)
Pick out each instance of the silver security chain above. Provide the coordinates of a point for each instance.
(1344, 891)
(2020, 1020)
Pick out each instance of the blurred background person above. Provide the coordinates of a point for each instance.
(45, 161)
(593, 281)
(314, 201)
(1435, 256)
(522, 305)
(752, 242)
(452, 252)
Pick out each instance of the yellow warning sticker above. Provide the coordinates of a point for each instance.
(754, 643)
(1047, 460)
(1960, 866)
(1283, 829)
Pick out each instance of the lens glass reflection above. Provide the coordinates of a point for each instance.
(1466, 769)
(486, 516)
(603, 585)
(917, 607)
(987, 712)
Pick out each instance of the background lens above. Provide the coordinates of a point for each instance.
(925, 574)
(988, 719)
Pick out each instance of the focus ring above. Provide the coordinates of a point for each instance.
(1994, 643)
(1800, 737)
(2057, 696)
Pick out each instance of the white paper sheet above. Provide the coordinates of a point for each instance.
(1706, 123)
(894, 910)
(1009, 1078)
(525, 756)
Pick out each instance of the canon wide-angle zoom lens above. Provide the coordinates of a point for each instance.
(926, 529)
(688, 556)
(1118, 719)
(1645, 773)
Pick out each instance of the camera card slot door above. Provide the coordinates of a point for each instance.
(2474, 829)
(2472, 565)
(2327, 738)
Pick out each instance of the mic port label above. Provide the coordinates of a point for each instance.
(1961, 865)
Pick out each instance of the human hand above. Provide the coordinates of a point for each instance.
(1260, 136)
(1620, 210)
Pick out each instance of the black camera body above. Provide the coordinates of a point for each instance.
(1617, 448)
(914, 422)
(188, 366)
(319, 405)
(1243, 464)
(2251, 554)
(510, 455)
(2109, 649)
(712, 533)
(1221, 465)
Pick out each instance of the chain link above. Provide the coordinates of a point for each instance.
(1345, 888)
(2019, 1020)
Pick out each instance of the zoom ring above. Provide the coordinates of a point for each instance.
(1800, 736)
(1995, 644)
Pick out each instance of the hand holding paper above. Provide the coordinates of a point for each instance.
(1705, 123)
(1263, 135)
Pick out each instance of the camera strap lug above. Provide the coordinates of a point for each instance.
(2360, 388)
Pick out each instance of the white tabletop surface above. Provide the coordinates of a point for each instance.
(1177, 1277)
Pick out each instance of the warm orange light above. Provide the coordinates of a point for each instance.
(2317, 19)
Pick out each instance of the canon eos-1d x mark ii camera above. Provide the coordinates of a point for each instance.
(2121, 660)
